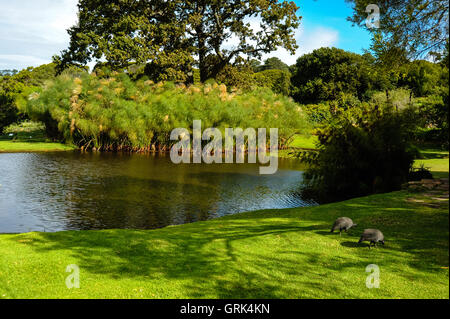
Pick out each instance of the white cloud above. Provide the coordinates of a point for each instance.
(31, 31)
(13, 59)
(307, 41)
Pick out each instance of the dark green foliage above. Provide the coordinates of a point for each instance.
(423, 77)
(417, 174)
(327, 72)
(362, 151)
(434, 111)
(319, 113)
(8, 111)
(196, 76)
(16, 83)
(273, 63)
(170, 34)
(323, 113)
(278, 81)
(237, 77)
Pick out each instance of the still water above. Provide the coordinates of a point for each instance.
(75, 191)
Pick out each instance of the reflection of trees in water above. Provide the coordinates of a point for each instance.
(60, 191)
(130, 202)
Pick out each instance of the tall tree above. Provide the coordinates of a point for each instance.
(173, 33)
(273, 63)
(16, 83)
(420, 27)
(327, 73)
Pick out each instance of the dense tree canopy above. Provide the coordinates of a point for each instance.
(422, 77)
(277, 80)
(272, 63)
(327, 72)
(14, 84)
(171, 34)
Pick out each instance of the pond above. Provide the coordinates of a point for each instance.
(79, 191)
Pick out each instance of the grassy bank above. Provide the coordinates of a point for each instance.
(265, 254)
(435, 160)
(16, 147)
(30, 142)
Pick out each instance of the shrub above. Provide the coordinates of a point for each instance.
(278, 81)
(417, 174)
(434, 112)
(400, 98)
(323, 74)
(24, 127)
(362, 151)
(240, 77)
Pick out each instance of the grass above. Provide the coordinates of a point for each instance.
(436, 160)
(299, 141)
(30, 142)
(266, 254)
(302, 141)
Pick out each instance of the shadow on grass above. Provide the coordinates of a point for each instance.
(352, 244)
(260, 254)
(433, 154)
(440, 174)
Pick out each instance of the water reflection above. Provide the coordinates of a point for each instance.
(62, 191)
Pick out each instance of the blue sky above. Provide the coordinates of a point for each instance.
(32, 31)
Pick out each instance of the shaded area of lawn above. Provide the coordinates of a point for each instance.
(266, 254)
(30, 142)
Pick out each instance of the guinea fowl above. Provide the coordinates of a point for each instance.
(343, 224)
(373, 236)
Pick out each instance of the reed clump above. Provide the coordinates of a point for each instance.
(117, 113)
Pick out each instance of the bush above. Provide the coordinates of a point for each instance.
(24, 127)
(326, 72)
(399, 98)
(434, 113)
(417, 174)
(239, 77)
(278, 81)
(362, 151)
(117, 113)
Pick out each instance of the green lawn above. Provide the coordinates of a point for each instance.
(30, 142)
(302, 141)
(435, 160)
(15, 147)
(266, 254)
